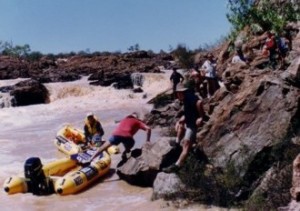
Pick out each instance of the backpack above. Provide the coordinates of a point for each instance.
(281, 44)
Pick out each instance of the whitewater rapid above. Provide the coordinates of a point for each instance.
(30, 130)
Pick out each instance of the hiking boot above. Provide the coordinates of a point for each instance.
(171, 169)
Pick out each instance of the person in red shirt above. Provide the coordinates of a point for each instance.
(124, 133)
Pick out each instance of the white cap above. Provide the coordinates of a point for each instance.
(89, 114)
(135, 114)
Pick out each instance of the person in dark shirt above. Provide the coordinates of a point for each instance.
(187, 125)
(175, 79)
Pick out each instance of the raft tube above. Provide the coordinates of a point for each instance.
(18, 184)
(76, 181)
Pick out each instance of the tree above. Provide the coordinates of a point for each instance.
(34, 56)
(262, 14)
(15, 51)
(184, 56)
(133, 48)
(240, 13)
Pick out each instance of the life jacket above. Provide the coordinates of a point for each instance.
(92, 129)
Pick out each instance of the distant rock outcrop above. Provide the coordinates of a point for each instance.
(112, 66)
(29, 92)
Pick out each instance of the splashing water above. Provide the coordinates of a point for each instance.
(5, 100)
(29, 131)
(137, 79)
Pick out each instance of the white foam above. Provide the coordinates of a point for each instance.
(30, 130)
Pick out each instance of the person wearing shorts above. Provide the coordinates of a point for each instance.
(186, 126)
(124, 133)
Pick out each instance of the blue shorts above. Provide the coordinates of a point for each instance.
(128, 142)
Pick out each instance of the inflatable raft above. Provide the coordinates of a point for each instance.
(70, 140)
(76, 181)
(35, 174)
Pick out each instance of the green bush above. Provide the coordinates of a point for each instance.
(184, 56)
(34, 56)
(262, 15)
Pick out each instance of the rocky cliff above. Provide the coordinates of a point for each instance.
(251, 138)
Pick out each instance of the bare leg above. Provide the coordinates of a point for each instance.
(180, 129)
(185, 150)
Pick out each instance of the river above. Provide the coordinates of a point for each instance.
(29, 131)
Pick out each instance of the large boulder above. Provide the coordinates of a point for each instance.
(118, 80)
(273, 190)
(143, 164)
(251, 129)
(29, 92)
(167, 185)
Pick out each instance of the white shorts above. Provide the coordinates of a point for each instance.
(190, 134)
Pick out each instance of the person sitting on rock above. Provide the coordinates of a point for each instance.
(124, 133)
(187, 125)
(238, 59)
(93, 130)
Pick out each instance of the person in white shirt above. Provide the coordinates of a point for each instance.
(208, 69)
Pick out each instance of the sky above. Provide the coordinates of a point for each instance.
(62, 26)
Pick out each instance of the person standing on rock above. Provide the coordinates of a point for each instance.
(187, 125)
(124, 133)
(93, 130)
(208, 69)
(175, 79)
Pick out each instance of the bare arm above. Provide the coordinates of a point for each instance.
(148, 131)
(101, 131)
(181, 78)
(101, 149)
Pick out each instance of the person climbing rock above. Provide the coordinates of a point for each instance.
(187, 125)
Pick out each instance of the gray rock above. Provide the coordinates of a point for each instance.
(143, 164)
(166, 185)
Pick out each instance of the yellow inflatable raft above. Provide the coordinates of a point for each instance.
(70, 141)
(76, 181)
(19, 183)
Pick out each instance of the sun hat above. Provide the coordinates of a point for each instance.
(135, 115)
(180, 88)
(89, 114)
